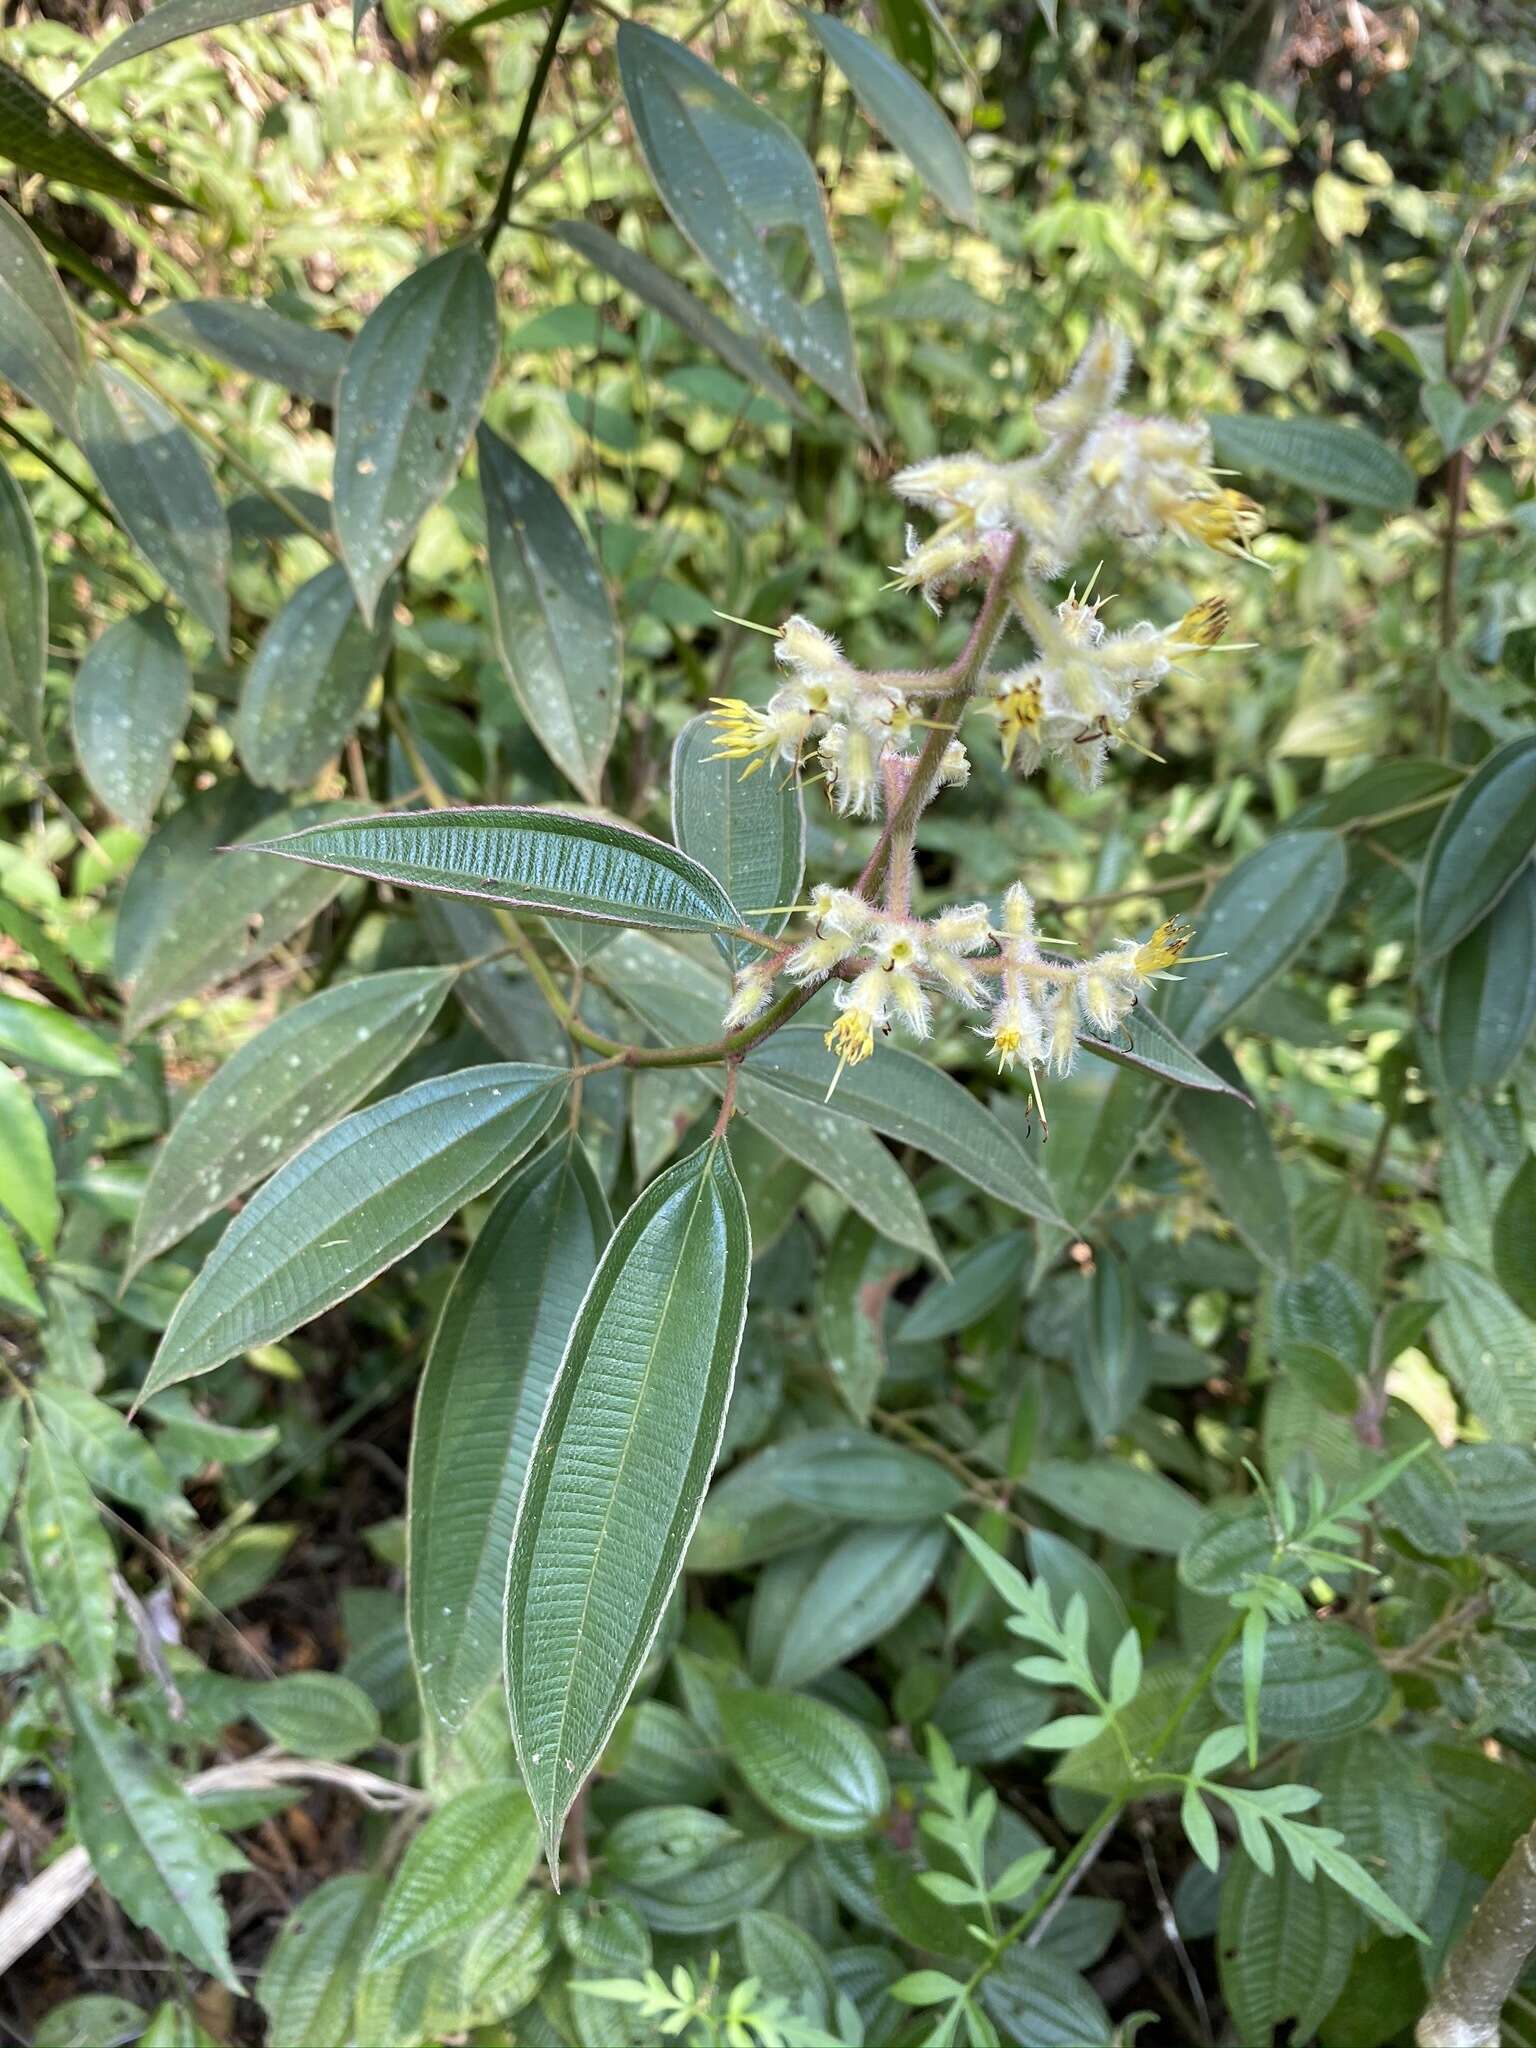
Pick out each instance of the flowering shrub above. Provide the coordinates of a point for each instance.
(572, 1463)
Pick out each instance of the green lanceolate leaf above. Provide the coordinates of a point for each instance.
(1346, 464)
(283, 1086)
(748, 831)
(1259, 917)
(155, 1853)
(470, 1860)
(23, 613)
(916, 1103)
(1483, 840)
(410, 396)
(1488, 993)
(1485, 1347)
(1232, 1143)
(315, 1713)
(502, 1335)
(37, 1035)
(168, 23)
(619, 1469)
(132, 696)
(1149, 1047)
(1318, 1679)
(556, 634)
(657, 288)
(115, 1457)
(811, 1766)
(1285, 1947)
(27, 1190)
(894, 102)
(37, 135)
(254, 338)
(981, 1278)
(39, 342)
(189, 920)
(731, 175)
(309, 1979)
(854, 1291)
(308, 682)
(16, 1285)
(360, 1197)
(856, 1477)
(549, 861)
(1125, 1502)
(859, 1586)
(69, 1559)
(1514, 1238)
(150, 468)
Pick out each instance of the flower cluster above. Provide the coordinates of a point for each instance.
(1101, 472)
(858, 721)
(1017, 524)
(1046, 1004)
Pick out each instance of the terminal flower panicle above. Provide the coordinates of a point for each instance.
(1101, 473)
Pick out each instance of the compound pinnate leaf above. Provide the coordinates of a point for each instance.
(811, 1766)
(308, 682)
(749, 831)
(731, 175)
(360, 1197)
(556, 635)
(894, 102)
(23, 614)
(1483, 840)
(132, 694)
(502, 1334)
(619, 1469)
(155, 1853)
(39, 342)
(1344, 463)
(253, 337)
(40, 136)
(70, 1559)
(469, 1861)
(550, 861)
(409, 398)
(298, 1076)
(150, 468)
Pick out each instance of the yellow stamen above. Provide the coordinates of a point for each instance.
(1166, 944)
(1204, 624)
(1226, 521)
